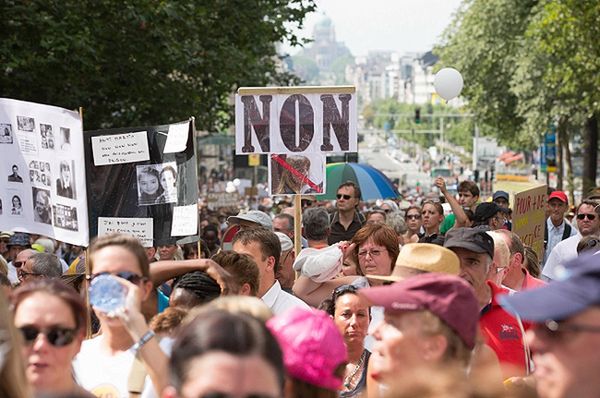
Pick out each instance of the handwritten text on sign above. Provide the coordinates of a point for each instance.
(120, 148)
(295, 123)
(141, 228)
(529, 217)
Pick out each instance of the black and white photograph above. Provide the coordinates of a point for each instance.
(15, 176)
(39, 173)
(157, 184)
(65, 186)
(17, 205)
(47, 136)
(25, 123)
(6, 136)
(65, 139)
(65, 217)
(42, 210)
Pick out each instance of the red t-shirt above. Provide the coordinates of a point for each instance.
(503, 334)
(530, 282)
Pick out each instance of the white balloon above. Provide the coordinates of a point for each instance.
(448, 83)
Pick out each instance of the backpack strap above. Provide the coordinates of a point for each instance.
(567, 231)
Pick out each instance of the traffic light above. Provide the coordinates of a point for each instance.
(418, 116)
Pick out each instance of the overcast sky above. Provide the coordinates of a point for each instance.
(400, 25)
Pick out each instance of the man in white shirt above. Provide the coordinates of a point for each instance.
(588, 223)
(557, 228)
(264, 247)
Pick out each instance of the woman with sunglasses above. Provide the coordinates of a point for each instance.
(352, 315)
(413, 222)
(106, 361)
(51, 319)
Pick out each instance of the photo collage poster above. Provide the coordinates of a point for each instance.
(142, 180)
(42, 171)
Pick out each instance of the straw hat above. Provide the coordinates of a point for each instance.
(423, 257)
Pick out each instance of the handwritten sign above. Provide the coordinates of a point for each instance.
(185, 220)
(121, 148)
(529, 217)
(215, 200)
(177, 138)
(295, 120)
(141, 228)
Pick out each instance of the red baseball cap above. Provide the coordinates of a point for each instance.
(447, 296)
(560, 195)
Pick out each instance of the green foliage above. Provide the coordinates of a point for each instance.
(526, 64)
(145, 61)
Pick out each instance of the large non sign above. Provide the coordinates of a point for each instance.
(295, 123)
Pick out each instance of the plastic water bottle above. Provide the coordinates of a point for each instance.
(107, 294)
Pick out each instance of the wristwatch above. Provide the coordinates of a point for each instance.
(145, 338)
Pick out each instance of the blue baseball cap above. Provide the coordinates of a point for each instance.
(560, 299)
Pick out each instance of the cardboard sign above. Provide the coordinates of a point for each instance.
(295, 120)
(529, 217)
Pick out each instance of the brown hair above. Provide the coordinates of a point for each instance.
(168, 321)
(53, 287)
(241, 266)
(470, 186)
(380, 234)
(352, 184)
(13, 382)
(438, 206)
(533, 262)
(268, 241)
(456, 349)
(127, 242)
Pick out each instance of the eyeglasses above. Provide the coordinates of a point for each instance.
(590, 217)
(130, 276)
(372, 253)
(226, 395)
(57, 336)
(18, 264)
(340, 196)
(554, 330)
(305, 202)
(413, 217)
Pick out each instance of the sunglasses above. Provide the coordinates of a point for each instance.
(555, 330)
(57, 336)
(343, 289)
(413, 217)
(129, 276)
(305, 202)
(584, 215)
(18, 264)
(346, 197)
(24, 274)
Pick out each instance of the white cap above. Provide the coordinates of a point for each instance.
(286, 242)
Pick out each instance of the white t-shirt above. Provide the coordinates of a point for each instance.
(105, 375)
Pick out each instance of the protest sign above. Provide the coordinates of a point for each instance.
(215, 200)
(296, 174)
(296, 120)
(529, 217)
(131, 182)
(42, 168)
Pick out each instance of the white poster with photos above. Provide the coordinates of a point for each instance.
(42, 171)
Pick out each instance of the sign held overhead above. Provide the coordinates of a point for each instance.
(293, 120)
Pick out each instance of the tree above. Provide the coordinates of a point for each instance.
(529, 64)
(145, 61)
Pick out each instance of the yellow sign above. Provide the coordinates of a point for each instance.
(529, 217)
(253, 159)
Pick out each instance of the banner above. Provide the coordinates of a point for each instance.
(529, 217)
(143, 181)
(43, 188)
(296, 120)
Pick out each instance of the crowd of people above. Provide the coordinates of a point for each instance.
(432, 297)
